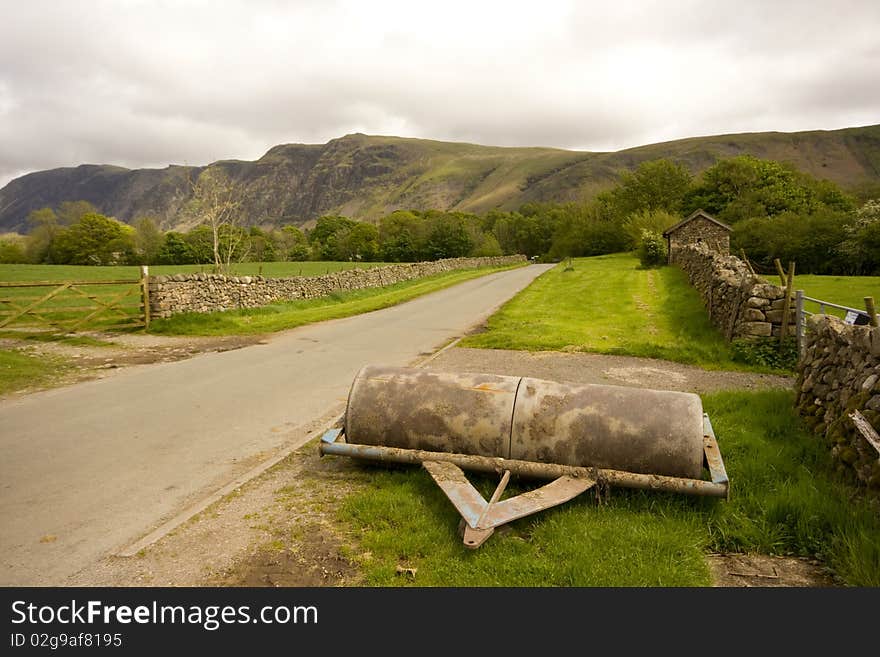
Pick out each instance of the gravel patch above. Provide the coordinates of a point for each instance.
(603, 369)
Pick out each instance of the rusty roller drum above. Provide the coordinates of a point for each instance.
(633, 429)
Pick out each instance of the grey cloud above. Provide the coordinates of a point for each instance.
(142, 83)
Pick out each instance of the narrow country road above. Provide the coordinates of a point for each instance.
(88, 469)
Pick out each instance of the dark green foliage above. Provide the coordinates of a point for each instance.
(291, 244)
(448, 238)
(261, 245)
(585, 231)
(94, 240)
(200, 241)
(148, 240)
(745, 187)
(326, 232)
(655, 185)
(529, 231)
(175, 250)
(766, 353)
(44, 228)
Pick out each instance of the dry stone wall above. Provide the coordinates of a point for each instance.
(740, 304)
(205, 293)
(839, 372)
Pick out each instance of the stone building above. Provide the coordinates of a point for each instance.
(700, 227)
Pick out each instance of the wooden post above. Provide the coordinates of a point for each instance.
(799, 324)
(872, 311)
(745, 260)
(865, 429)
(786, 309)
(145, 294)
(779, 270)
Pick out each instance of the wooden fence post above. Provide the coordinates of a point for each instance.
(779, 270)
(745, 260)
(786, 309)
(145, 294)
(799, 324)
(872, 311)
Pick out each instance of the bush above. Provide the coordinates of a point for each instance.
(767, 353)
(652, 249)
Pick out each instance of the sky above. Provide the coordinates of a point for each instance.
(149, 83)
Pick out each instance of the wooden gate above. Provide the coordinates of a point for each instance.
(71, 306)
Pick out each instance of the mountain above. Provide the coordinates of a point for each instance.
(365, 177)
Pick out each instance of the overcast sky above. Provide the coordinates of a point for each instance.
(148, 83)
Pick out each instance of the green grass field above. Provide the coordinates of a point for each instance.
(609, 305)
(87, 273)
(270, 318)
(786, 499)
(842, 290)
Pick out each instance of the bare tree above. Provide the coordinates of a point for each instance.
(216, 203)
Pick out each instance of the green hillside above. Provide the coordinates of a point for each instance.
(365, 177)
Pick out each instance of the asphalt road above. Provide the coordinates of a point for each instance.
(88, 469)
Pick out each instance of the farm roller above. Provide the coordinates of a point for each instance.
(576, 436)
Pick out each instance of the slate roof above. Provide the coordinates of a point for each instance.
(698, 213)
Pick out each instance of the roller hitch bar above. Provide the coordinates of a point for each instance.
(481, 517)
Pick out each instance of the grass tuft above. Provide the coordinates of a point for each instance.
(19, 370)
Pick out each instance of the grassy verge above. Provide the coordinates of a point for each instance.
(57, 338)
(19, 370)
(786, 499)
(280, 316)
(609, 305)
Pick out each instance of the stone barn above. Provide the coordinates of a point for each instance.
(698, 227)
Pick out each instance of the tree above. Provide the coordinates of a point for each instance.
(653, 221)
(94, 240)
(174, 250)
(216, 204)
(360, 242)
(262, 245)
(812, 240)
(12, 249)
(654, 185)
(400, 236)
(529, 231)
(200, 242)
(448, 238)
(292, 244)
(326, 233)
(70, 212)
(487, 247)
(861, 247)
(44, 229)
(743, 187)
(148, 240)
(586, 231)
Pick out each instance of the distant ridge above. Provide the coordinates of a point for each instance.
(365, 177)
